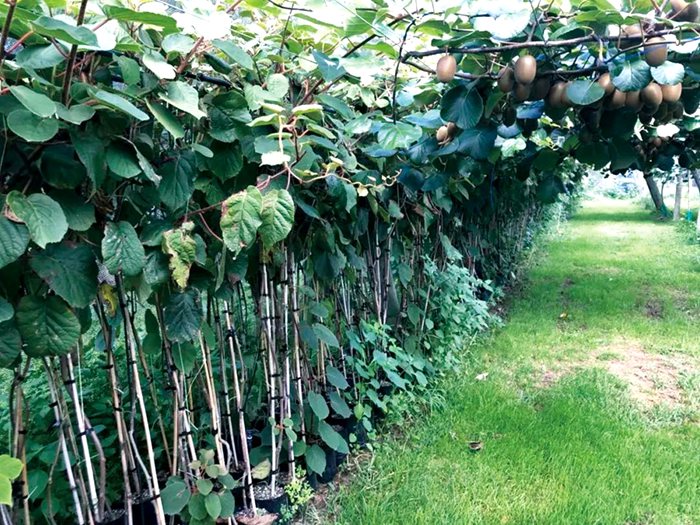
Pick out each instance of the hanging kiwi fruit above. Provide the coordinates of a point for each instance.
(672, 93)
(522, 92)
(617, 100)
(525, 69)
(540, 88)
(655, 51)
(605, 82)
(506, 81)
(652, 95)
(446, 68)
(554, 97)
(633, 100)
(565, 100)
(682, 11)
(451, 129)
(442, 134)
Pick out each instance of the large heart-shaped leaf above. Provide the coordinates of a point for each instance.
(37, 103)
(183, 316)
(584, 92)
(332, 438)
(55, 28)
(182, 249)
(47, 325)
(69, 270)
(477, 142)
(10, 344)
(42, 215)
(630, 75)
(31, 127)
(177, 182)
(668, 73)
(121, 249)
(241, 217)
(175, 497)
(463, 106)
(120, 103)
(318, 405)
(316, 459)
(14, 239)
(277, 216)
(184, 97)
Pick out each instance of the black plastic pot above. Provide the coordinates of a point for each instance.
(144, 514)
(273, 505)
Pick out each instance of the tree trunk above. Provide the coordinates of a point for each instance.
(656, 196)
(679, 197)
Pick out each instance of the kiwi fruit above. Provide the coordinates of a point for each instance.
(631, 31)
(506, 82)
(525, 69)
(652, 95)
(565, 100)
(540, 88)
(606, 83)
(672, 93)
(554, 96)
(633, 101)
(442, 134)
(446, 68)
(655, 51)
(617, 100)
(451, 129)
(522, 92)
(683, 11)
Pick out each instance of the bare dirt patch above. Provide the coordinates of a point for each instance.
(653, 379)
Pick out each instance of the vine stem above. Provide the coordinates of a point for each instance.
(73, 53)
(11, 5)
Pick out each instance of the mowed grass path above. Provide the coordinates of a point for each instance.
(565, 440)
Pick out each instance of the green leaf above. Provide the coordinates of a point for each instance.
(47, 325)
(336, 378)
(668, 73)
(158, 65)
(6, 310)
(340, 406)
(398, 136)
(177, 43)
(182, 316)
(331, 438)
(595, 154)
(31, 127)
(277, 86)
(37, 103)
(131, 71)
(10, 467)
(91, 152)
(228, 504)
(184, 97)
(477, 142)
(235, 53)
(121, 159)
(14, 239)
(175, 497)
(261, 470)
(166, 119)
(10, 344)
(463, 106)
(42, 215)
(121, 104)
(40, 57)
(584, 92)
(318, 405)
(55, 28)
(121, 249)
(196, 507)
(330, 68)
(204, 486)
(69, 270)
(177, 183)
(182, 249)
(76, 114)
(5, 491)
(213, 505)
(325, 335)
(124, 14)
(277, 217)
(316, 459)
(241, 217)
(631, 75)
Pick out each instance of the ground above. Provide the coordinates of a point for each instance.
(584, 405)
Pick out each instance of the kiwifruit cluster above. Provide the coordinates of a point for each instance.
(445, 133)
(682, 11)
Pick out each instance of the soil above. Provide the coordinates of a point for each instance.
(265, 492)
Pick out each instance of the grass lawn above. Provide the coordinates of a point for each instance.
(589, 413)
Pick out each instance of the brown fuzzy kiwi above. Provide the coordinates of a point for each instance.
(522, 92)
(655, 51)
(554, 97)
(606, 83)
(565, 100)
(451, 129)
(683, 11)
(506, 81)
(442, 134)
(446, 68)
(652, 95)
(540, 88)
(672, 93)
(617, 100)
(525, 69)
(633, 101)
(631, 31)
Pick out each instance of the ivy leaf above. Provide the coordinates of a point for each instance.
(318, 405)
(463, 106)
(37, 103)
(630, 75)
(175, 497)
(10, 344)
(668, 73)
(184, 97)
(69, 270)
(122, 250)
(47, 325)
(31, 127)
(241, 217)
(121, 104)
(42, 215)
(277, 217)
(584, 92)
(182, 316)
(182, 249)
(14, 239)
(316, 459)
